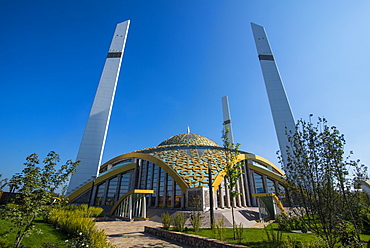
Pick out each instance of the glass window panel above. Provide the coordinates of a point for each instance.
(143, 176)
(258, 183)
(155, 178)
(125, 183)
(270, 186)
(161, 182)
(111, 193)
(99, 194)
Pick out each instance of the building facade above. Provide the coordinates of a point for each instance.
(167, 175)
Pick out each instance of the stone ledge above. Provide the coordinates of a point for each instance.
(190, 239)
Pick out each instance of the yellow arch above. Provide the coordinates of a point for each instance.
(104, 177)
(178, 179)
(241, 157)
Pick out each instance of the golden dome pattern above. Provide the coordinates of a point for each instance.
(188, 139)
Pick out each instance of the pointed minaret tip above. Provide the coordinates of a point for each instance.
(188, 131)
(254, 24)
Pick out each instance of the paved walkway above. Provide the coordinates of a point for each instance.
(126, 234)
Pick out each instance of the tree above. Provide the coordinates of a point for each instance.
(232, 171)
(3, 183)
(35, 188)
(320, 182)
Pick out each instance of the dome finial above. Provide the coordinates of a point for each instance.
(188, 132)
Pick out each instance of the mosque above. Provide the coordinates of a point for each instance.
(182, 168)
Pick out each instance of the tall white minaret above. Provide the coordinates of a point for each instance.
(92, 145)
(279, 104)
(227, 119)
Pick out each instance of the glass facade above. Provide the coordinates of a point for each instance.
(168, 194)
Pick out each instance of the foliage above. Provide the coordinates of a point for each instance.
(88, 212)
(3, 183)
(196, 214)
(239, 231)
(166, 220)
(257, 235)
(5, 243)
(318, 180)
(49, 235)
(232, 170)
(289, 222)
(196, 220)
(77, 223)
(178, 220)
(219, 230)
(274, 238)
(35, 187)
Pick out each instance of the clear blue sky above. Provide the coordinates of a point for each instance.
(181, 57)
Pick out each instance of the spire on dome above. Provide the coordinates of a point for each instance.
(188, 132)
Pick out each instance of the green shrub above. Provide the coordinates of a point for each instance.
(239, 231)
(74, 221)
(4, 243)
(196, 220)
(166, 220)
(284, 222)
(274, 238)
(178, 221)
(220, 229)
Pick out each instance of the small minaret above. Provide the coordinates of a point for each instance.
(227, 119)
(279, 104)
(92, 145)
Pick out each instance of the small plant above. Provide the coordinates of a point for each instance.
(290, 243)
(79, 241)
(196, 220)
(166, 220)
(50, 245)
(5, 243)
(284, 222)
(239, 231)
(220, 229)
(274, 238)
(178, 221)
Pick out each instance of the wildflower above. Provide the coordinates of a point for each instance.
(80, 233)
(66, 241)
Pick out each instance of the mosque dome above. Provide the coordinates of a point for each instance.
(188, 139)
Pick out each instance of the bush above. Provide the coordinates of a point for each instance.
(178, 221)
(166, 220)
(274, 238)
(196, 220)
(76, 222)
(239, 231)
(4, 243)
(219, 229)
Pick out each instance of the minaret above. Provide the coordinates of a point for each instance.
(279, 104)
(92, 145)
(227, 119)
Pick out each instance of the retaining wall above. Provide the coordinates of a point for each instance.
(189, 239)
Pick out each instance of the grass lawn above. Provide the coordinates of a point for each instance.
(257, 238)
(49, 234)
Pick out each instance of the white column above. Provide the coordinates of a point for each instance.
(92, 145)
(279, 104)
